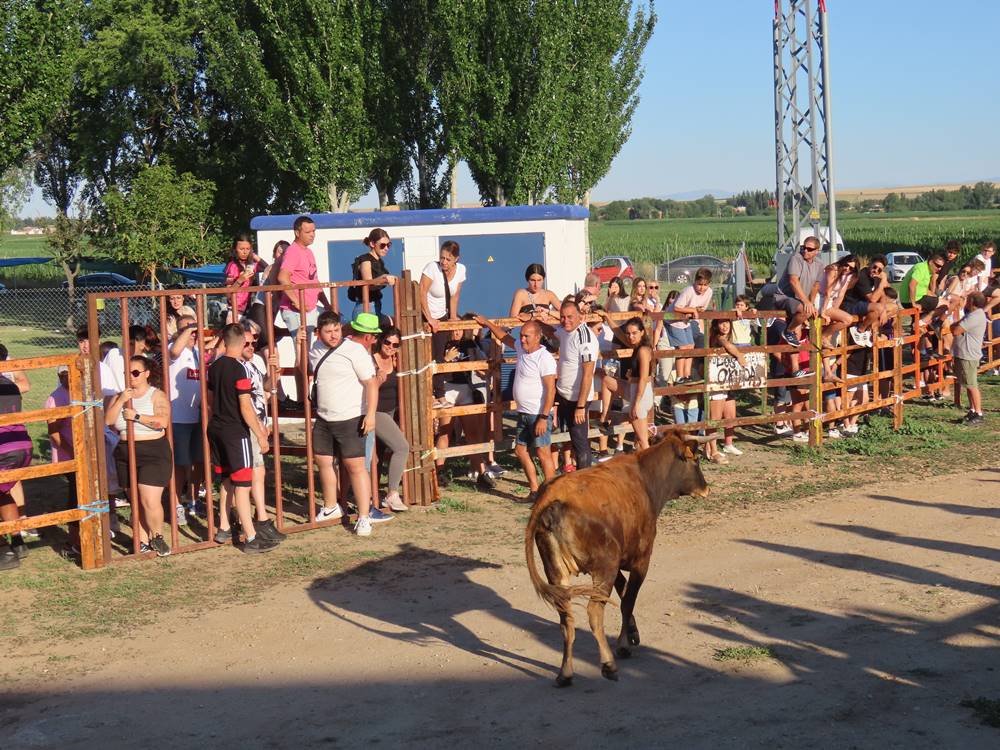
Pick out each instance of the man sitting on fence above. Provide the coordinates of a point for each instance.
(534, 392)
(233, 417)
(798, 287)
(346, 399)
(918, 283)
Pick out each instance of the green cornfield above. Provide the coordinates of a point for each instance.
(655, 241)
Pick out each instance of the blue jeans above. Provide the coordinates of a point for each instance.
(685, 416)
(376, 307)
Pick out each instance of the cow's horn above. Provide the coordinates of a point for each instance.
(702, 439)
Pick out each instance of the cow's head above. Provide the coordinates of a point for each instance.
(676, 470)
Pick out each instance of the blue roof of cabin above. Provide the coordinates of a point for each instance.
(425, 216)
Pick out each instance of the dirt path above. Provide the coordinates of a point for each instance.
(882, 609)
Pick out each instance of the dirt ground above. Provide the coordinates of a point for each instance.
(880, 610)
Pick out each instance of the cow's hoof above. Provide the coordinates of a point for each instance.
(609, 671)
(623, 653)
(562, 682)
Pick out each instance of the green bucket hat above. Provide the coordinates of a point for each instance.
(365, 323)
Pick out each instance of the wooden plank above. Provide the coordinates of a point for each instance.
(40, 522)
(37, 363)
(39, 415)
(38, 471)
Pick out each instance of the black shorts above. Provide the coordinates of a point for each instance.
(344, 439)
(928, 303)
(154, 463)
(232, 454)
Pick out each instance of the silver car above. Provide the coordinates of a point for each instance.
(901, 262)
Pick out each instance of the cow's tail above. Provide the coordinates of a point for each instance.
(556, 595)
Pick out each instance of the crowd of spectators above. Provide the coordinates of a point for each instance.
(590, 358)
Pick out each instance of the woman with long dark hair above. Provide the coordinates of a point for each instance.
(534, 298)
(387, 430)
(370, 266)
(618, 296)
(635, 379)
(440, 287)
(149, 415)
(243, 266)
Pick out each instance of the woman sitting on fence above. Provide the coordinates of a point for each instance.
(370, 266)
(243, 266)
(534, 298)
(639, 300)
(722, 404)
(440, 287)
(149, 414)
(618, 296)
(833, 285)
(387, 431)
(634, 383)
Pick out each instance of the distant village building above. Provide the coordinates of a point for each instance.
(30, 231)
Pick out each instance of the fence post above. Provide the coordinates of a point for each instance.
(816, 394)
(897, 366)
(415, 425)
(95, 420)
(91, 551)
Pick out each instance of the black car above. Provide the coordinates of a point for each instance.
(682, 270)
(101, 279)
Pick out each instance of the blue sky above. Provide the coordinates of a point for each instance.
(914, 87)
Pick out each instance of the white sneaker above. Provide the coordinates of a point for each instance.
(849, 429)
(329, 514)
(732, 450)
(782, 429)
(363, 527)
(800, 437)
(834, 434)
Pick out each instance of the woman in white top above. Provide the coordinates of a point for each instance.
(440, 287)
(534, 298)
(148, 410)
(836, 280)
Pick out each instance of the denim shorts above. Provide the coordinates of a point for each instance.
(679, 337)
(293, 319)
(526, 431)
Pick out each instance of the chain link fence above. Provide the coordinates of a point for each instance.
(37, 322)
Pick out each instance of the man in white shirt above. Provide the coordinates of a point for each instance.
(578, 351)
(534, 392)
(346, 400)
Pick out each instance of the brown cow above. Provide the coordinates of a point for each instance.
(602, 521)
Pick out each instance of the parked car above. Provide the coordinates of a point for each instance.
(783, 254)
(900, 262)
(101, 279)
(682, 270)
(613, 265)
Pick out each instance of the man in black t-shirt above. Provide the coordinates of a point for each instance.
(864, 299)
(229, 426)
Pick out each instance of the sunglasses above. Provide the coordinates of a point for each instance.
(654, 286)
(876, 269)
(384, 245)
(391, 344)
(810, 248)
(938, 266)
(136, 373)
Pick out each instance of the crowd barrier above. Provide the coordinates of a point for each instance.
(91, 505)
(892, 387)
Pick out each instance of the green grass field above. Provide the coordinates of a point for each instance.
(654, 241)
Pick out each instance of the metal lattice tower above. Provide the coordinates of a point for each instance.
(802, 129)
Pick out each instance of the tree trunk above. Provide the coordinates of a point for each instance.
(383, 199)
(586, 200)
(340, 200)
(453, 203)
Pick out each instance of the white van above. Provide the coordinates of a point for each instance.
(782, 255)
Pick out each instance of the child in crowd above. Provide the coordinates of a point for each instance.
(744, 330)
(858, 364)
(722, 405)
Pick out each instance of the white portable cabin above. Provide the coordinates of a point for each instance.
(496, 245)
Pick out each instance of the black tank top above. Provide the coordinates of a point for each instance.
(378, 269)
(388, 394)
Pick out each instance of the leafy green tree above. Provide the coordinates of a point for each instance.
(15, 188)
(295, 70)
(35, 58)
(163, 220)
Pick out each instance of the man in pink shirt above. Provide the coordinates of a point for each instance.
(298, 266)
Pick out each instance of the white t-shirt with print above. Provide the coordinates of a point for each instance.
(529, 389)
(256, 368)
(435, 294)
(185, 388)
(339, 391)
(575, 349)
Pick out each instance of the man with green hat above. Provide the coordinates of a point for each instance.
(346, 400)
